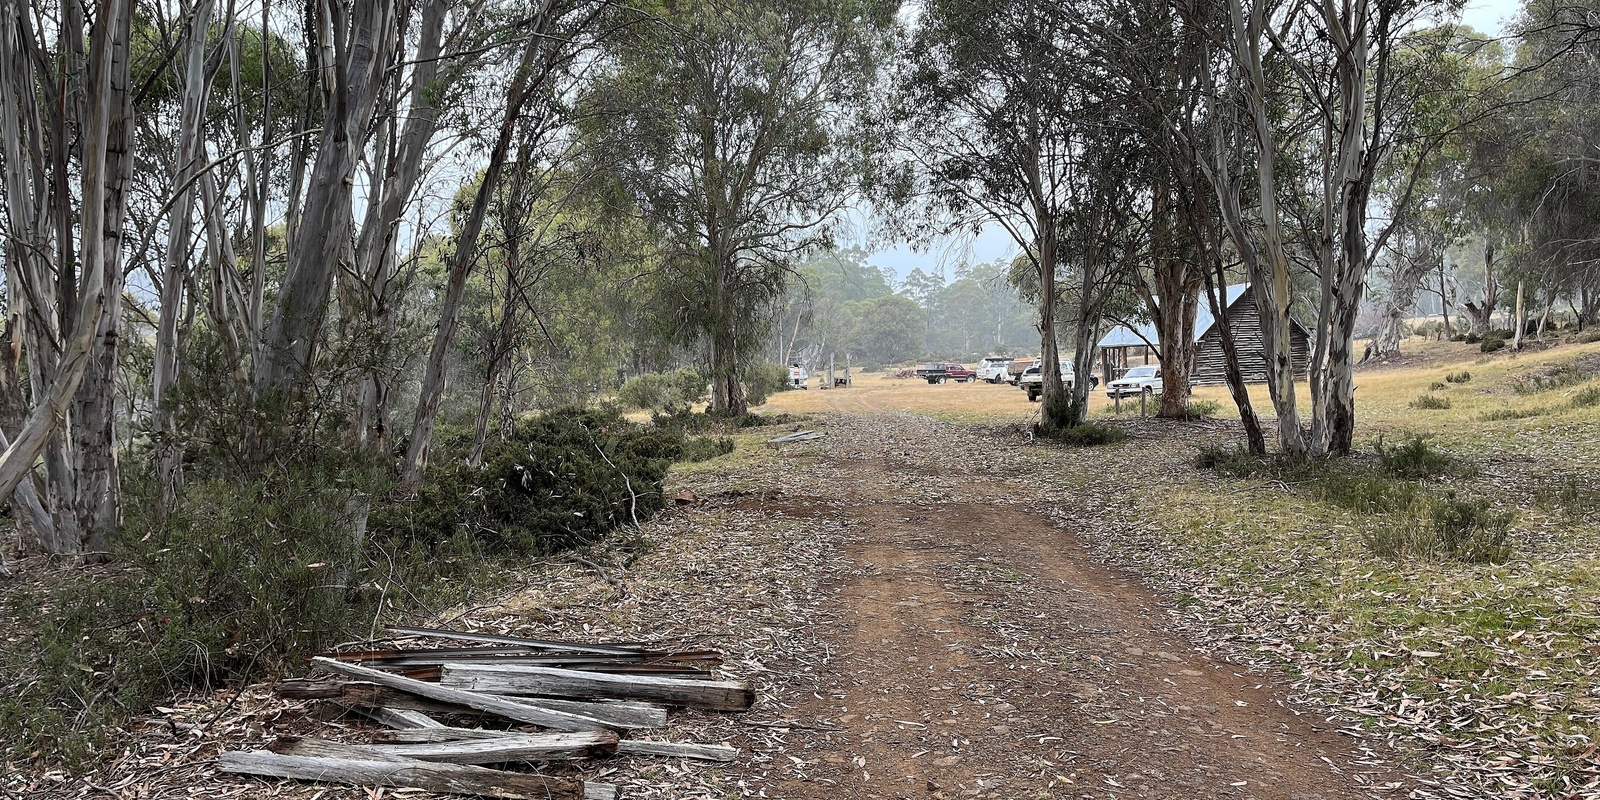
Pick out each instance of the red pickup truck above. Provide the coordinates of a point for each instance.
(942, 371)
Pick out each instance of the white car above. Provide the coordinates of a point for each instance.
(995, 369)
(798, 377)
(1136, 381)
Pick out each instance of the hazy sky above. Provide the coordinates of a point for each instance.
(1488, 16)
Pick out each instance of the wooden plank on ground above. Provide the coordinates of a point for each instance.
(398, 718)
(501, 749)
(546, 644)
(488, 704)
(630, 714)
(703, 752)
(520, 680)
(402, 774)
(619, 714)
(440, 734)
(511, 747)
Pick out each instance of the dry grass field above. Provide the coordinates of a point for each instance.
(1498, 412)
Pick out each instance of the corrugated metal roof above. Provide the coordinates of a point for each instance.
(1139, 335)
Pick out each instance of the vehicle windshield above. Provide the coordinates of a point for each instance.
(1141, 372)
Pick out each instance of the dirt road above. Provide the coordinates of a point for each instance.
(980, 651)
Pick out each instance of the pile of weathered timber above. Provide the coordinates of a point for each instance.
(589, 698)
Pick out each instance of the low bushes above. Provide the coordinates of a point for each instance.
(1559, 376)
(1415, 459)
(1233, 461)
(562, 480)
(245, 576)
(684, 421)
(1500, 414)
(1404, 518)
(1571, 494)
(1431, 402)
(1438, 386)
(1446, 529)
(665, 391)
(256, 569)
(1200, 409)
(1087, 434)
(1458, 377)
(1587, 397)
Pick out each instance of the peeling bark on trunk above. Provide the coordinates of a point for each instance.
(376, 250)
(320, 241)
(1172, 298)
(106, 168)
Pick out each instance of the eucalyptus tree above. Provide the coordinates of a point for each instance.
(1538, 170)
(353, 48)
(1462, 76)
(1001, 117)
(1338, 109)
(558, 33)
(66, 148)
(732, 130)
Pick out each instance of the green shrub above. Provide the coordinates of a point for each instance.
(1438, 386)
(1500, 333)
(1577, 497)
(1199, 409)
(1470, 531)
(1472, 338)
(1512, 413)
(1234, 461)
(684, 421)
(245, 577)
(1362, 491)
(1458, 377)
(1459, 337)
(1415, 459)
(1586, 397)
(1337, 483)
(764, 380)
(664, 391)
(705, 448)
(1446, 529)
(1431, 402)
(1088, 434)
(562, 480)
(1489, 345)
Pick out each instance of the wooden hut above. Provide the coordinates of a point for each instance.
(1209, 361)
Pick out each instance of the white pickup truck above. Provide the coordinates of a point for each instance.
(1032, 381)
(995, 369)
